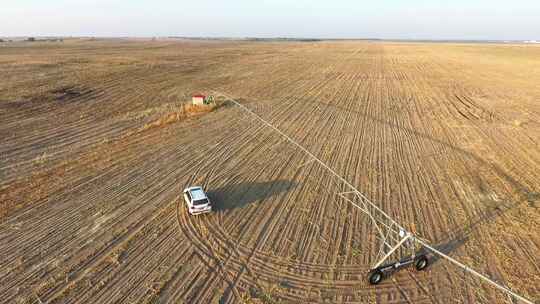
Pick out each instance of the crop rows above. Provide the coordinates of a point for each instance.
(91, 200)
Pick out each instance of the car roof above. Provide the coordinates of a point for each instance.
(197, 193)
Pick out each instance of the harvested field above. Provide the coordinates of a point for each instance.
(97, 145)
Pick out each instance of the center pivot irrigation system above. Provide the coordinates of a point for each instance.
(395, 240)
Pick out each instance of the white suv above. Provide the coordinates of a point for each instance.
(196, 200)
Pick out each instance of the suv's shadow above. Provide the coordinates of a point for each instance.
(239, 195)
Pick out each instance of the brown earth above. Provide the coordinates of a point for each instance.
(96, 147)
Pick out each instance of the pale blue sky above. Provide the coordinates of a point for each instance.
(411, 19)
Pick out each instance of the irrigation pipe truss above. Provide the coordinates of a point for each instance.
(416, 238)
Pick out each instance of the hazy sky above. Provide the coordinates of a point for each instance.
(410, 19)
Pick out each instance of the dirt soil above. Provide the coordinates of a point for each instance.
(96, 147)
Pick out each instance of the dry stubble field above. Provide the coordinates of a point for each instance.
(444, 137)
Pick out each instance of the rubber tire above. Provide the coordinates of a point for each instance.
(375, 277)
(421, 262)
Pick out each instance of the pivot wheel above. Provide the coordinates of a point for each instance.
(375, 277)
(421, 262)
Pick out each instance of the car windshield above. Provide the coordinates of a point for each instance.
(197, 194)
(203, 201)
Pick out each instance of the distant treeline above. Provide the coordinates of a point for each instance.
(32, 39)
(283, 39)
(247, 38)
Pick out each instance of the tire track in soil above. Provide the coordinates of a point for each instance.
(374, 112)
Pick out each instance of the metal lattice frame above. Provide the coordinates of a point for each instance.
(392, 235)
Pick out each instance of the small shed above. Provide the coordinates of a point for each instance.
(198, 99)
